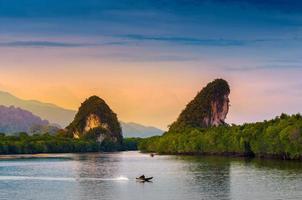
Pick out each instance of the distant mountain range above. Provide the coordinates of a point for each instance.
(14, 120)
(132, 129)
(61, 116)
(51, 112)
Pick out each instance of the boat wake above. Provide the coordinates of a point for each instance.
(40, 178)
(120, 178)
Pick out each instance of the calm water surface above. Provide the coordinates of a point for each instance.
(112, 176)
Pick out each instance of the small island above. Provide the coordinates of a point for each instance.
(94, 128)
(201, 129)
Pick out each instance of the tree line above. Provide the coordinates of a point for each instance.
(22, 143)
(280, 137)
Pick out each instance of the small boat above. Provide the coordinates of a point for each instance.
(142, 178)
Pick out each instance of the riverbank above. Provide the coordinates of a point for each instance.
(279, 138)
(45, 143)
(229, 155)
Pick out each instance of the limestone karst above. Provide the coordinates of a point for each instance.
(209, 108)
(95, 120)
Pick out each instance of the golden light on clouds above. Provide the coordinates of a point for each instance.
(151, 93)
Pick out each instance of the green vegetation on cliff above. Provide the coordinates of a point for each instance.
(200, 129)
(94, 128)
(100, 112)
(280, 137)
(208, 102)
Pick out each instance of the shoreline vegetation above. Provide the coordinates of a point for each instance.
(23, 143)
(279, 138)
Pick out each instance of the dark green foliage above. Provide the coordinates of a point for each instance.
(94, 133)
(23, 143)
(41, 129)
(97, 106)
(280, 137)
(200, 106)
(131, 144)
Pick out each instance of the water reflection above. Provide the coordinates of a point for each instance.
(266, 179)
(97, 176)
(96, 173)
(210, 176)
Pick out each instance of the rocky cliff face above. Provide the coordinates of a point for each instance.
(209, 108)
(95, 120)
(219, 111)
(92, 121)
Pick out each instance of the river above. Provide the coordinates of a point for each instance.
(111, 176)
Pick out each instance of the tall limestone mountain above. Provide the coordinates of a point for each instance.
(63, 117)
(95, 120)
(209, 108)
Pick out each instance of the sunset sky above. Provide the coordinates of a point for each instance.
(148, 58)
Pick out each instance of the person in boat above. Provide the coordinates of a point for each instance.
(142, 177)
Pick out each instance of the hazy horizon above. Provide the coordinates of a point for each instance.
(148, 59)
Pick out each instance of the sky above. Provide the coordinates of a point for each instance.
(148, 58)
